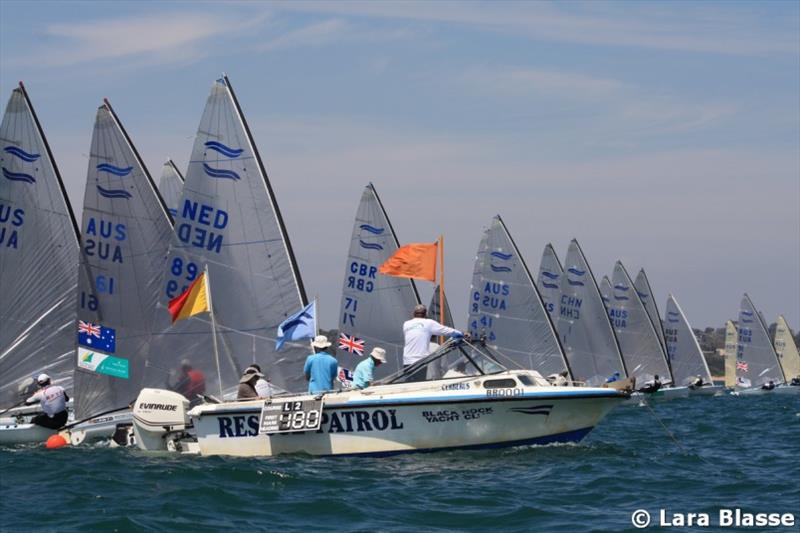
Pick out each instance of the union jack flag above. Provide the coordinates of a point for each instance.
(351, 343)
(741, 365)
(89, 328)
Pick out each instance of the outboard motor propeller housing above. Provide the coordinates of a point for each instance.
(157, 415)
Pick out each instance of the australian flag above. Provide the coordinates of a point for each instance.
(97, 337)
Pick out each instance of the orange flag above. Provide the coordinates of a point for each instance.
(416, 260)
(190, 302)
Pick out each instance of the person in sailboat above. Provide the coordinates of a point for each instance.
(362, 377)
(768, 386)
(191, 383)
(795, 381)
(263, 386)
(321, 367)
(697, 383)
(418, 332)
(652, 386)
(247, 384)
(53, 399)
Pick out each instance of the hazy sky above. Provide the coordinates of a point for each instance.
(663, 134)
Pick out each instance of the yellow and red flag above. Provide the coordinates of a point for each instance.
(416, 260)
(192, 301)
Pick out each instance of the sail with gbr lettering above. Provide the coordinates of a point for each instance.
(786, 349)
(228, 221)
(685, 355)
(170, 186)
(505, 306)
(373, 306)
(583, 326)
(730, 354)
(126, 234)
(638, 340)
(756, 360)
(549, 280)
(39, 250)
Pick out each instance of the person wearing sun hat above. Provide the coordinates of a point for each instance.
(362, 377)
(247, 384)
(321, 367)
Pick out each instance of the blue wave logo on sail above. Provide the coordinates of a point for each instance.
(575, 283)
(227, 151)
(500, 255)
(549, 285)
(22, 154)
(575, 271)
(220, 173)
(113, 193)
(622, 288)
(643, 295)
(496, 268)
(370, 245)
(621, 298)
(550, 275)
(672, 316)
(747, 316)
(111, 169)
(18, 176)
(372, 229)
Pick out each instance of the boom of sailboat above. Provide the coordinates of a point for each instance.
(545, 358)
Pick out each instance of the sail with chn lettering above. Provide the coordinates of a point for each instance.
(126, 231)
(229, 223)
(685, 356)
(756, 360)
(549, 280)
(586, 334)
(170, 186)
(373, 306)
(39, 250)
(506, 308)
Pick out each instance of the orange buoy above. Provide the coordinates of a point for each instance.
(55, 441)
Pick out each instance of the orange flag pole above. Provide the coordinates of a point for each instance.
(441, 279)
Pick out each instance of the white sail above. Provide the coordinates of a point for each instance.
(644, 357)
(373, 306)
(505, 306)
(228, 221)
(38, 258)
(786, 349)
(170, 186)
(549, 280)
(756, 360)
(583, 326)
(645, 292)
(685, 355)
(126, 233)
(730, 354)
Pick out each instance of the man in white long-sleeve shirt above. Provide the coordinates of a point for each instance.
(418, 332)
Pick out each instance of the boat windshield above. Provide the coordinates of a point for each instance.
(455, 359)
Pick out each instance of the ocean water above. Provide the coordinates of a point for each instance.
(732, 452)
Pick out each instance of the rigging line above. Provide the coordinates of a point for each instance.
(672, 435)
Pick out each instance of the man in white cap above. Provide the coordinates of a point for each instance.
(54, 403)
(362, 377)
(418, 332)
(321, 367)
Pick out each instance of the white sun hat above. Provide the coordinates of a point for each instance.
(320, 341)
(379, 354)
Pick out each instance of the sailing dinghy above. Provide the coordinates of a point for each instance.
(685, 355)
(758, 370)
(126, 234)
(787, 352)
(730, 354)
(170, 186)
(39, 247)
(505, 307)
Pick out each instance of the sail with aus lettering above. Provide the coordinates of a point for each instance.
(170, 186)
(756, 360)
(644, 357)
(730, 354)
(126, 233)
(550, 272)
(584, 329)
(373, 306)
(786, 349)
(39, 249)
(645, 292)
(685, 355)
(228, 221)
(505, 306)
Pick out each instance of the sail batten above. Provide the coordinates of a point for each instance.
(39, 248)
(505, 305)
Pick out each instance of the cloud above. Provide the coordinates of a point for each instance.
(703, 29)
(162, 38)
(316, 34)
(529, 80)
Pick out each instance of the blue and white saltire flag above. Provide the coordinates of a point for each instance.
(301, 325)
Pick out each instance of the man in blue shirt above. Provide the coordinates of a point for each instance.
(362, 377)
(321, 367)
